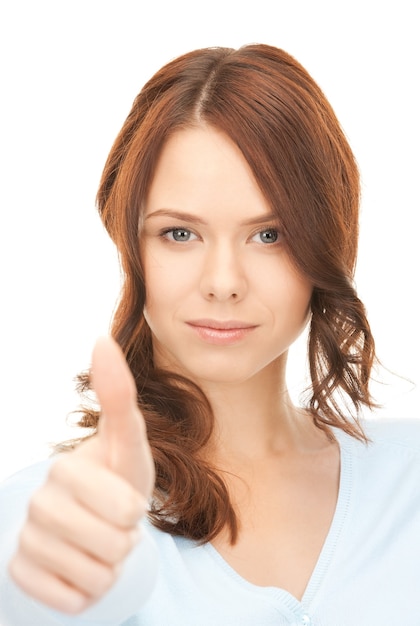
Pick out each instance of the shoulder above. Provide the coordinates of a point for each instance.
(394, 432)
(393, 448)
(391, 457)
(398, 433)
(28, 478)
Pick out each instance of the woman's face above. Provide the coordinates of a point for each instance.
(223, 300)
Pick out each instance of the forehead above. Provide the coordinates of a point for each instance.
(201, 168)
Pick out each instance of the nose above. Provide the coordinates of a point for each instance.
(223, 275)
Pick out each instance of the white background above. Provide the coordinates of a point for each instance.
(69, 73)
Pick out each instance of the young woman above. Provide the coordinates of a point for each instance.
(205, 496)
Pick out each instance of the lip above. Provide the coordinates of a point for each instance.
(221, 332)
(220, 324)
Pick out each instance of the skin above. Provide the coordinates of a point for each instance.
(225, 270)
(224, 303)
(82, 522)
(207, 221)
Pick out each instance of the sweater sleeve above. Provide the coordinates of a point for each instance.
(124, 599)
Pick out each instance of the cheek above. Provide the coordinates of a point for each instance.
(302, 298)
(301, 303)
(168, 284)
(293, 308)
(288, 291)
(159, 276)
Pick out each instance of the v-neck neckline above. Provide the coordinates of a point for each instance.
(329, 546)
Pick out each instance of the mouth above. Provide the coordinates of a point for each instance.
(221, 324)
(221, 332)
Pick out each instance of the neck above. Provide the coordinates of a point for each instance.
(257, 419)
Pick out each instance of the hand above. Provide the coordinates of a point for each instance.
(83, 521)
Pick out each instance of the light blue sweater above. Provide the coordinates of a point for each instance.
(368, 573)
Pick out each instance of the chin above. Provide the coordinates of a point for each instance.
(226, 374)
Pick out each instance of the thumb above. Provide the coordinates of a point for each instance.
(122, 430)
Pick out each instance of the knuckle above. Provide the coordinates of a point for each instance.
(125, 507)
(75, 602)
(103, 579)
(27, 541)
(15, 568)
(38, 508)
(61, 469)
(50, 589)
(121, 546)
(44, 514)
(132, 508)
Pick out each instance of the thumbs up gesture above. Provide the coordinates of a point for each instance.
(83, 521)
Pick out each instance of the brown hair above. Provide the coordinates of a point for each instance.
(268, 104)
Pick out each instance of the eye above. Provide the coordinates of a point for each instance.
(178, 234)
(268, 235)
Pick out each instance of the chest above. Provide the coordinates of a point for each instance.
(285, 516)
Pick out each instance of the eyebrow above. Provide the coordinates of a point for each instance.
(190, 217)
(179, 215)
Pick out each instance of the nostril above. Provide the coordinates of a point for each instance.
(212, 295)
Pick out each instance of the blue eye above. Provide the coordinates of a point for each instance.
(178, 234)
(268, 235)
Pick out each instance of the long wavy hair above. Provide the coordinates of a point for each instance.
(269, 105)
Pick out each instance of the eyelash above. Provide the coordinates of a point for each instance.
(272, 229)
(166, 231)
